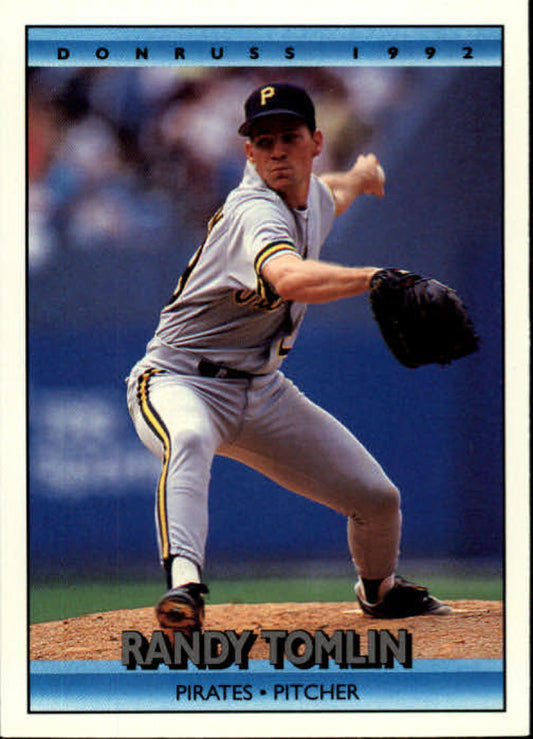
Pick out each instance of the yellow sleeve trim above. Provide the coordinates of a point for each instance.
(279, 247)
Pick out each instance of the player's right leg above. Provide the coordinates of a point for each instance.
(174, 423)
(177, 424)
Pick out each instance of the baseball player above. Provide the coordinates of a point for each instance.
(210, 381)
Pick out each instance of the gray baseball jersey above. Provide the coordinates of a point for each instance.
(222, 308)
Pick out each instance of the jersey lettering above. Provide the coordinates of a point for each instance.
(283, 350)
(254, 300)
(287, 342)
(195, 258)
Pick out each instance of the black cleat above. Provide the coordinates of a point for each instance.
(404, 599)
(182, 608)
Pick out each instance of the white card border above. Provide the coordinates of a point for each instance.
(14, 719)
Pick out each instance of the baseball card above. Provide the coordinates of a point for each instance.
(264, 372)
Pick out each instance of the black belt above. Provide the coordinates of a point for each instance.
(210, 369)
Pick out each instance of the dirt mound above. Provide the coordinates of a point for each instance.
(474, 630)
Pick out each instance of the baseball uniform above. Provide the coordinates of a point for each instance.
(210, 383)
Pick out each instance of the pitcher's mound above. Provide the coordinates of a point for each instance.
(474, 630)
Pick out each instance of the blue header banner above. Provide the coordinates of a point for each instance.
(265, 46)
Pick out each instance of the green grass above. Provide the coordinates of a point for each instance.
(56, 601)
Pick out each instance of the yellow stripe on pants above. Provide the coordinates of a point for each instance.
(157, 426)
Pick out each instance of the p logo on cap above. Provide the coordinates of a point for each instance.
(266, 93)
(278, 99)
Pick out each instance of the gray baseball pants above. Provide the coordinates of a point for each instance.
(267, 424)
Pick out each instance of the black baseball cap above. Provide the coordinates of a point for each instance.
(277, 99)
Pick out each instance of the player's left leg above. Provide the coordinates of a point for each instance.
(305, 449)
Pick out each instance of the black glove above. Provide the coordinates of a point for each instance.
(421, 320)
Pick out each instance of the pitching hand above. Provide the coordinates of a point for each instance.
(370, 174)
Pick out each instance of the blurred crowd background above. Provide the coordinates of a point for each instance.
(136, 159)
(125, 167)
